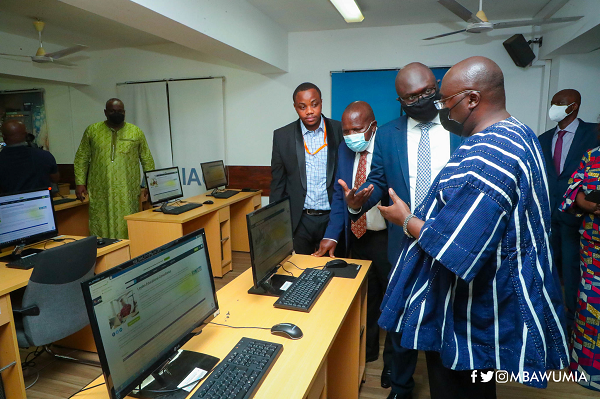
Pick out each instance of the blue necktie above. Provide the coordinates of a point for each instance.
(423, 164)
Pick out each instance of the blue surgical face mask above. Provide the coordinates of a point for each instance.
(356, 142)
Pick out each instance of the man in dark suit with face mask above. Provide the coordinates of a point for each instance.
(563, 146)
(409, 153)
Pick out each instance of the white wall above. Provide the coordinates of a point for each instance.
(580, 72)
(256, 104)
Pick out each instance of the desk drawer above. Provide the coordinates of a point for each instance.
(4, 315)
(223, 214)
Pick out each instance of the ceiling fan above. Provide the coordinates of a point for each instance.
(479, 23)
(41, 55)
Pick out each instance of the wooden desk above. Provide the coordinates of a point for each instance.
(13, 279)
(224, 223)
(327, 362)
(73, 218)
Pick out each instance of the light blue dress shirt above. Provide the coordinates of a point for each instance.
(316, 168)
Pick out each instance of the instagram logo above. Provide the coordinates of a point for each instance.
(501, 376)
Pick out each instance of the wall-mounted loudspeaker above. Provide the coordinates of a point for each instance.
(519, 50)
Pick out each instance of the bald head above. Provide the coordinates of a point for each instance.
(14, 132)
(359, 117)
(477, 73)
(473, 96)
(114, 101)
(414, 78)
(567, 96)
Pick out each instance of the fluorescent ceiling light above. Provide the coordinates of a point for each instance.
(349, 10)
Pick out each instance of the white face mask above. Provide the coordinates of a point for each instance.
(559, 112)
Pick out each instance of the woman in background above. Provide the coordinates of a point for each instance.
(585, 343)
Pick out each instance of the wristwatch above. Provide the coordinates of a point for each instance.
(405, 225)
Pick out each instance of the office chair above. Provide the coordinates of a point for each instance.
(52, 307)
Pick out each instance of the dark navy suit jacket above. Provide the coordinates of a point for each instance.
(584, 140)
(389, 168)
(339, 218)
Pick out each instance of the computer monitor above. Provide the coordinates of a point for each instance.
(26, 218)
(271, 241)
(214, 174)
(143, 311)
(164, 185)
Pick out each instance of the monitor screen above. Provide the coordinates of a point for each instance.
(144, 310)
(270, 236)
(26, 218)
(214, 174)
(164, 185)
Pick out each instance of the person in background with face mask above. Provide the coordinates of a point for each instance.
(407, 156)
(367, 237)
(107, 168)
(474, 285)
(563, 147)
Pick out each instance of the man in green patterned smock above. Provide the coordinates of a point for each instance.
(107, 169)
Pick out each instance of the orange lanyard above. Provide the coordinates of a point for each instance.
(321, 147)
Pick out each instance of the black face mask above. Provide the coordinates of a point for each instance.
(450, 124)
(424, 110)
(116, 118)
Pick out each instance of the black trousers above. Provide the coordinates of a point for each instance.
(310, 232)
(565, 242)
(373, 246)
(403, 367)
(445, 383)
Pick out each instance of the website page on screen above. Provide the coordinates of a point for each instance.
(143, 311)
(25, 215)
(164, 184)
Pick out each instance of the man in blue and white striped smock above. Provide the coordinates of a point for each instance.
(477, 289)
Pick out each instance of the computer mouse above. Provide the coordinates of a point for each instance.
(336, 263)
(287, 330)
(208, 202)
(100, 241)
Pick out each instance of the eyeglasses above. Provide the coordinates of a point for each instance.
(441, 103)
(415, 99)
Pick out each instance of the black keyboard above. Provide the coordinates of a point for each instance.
(27, 262)
(63, 201)
(176, 210)
(304, 292)
(225, 194)
(240, 374)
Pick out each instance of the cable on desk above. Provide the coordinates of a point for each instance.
(225, 325)
(286, 270)
(297, 267)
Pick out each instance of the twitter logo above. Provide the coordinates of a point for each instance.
(487, 376)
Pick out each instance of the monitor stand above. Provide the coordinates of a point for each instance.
(164, 205)
(19, 252)
(212, 193)
(174, 372)
(272, 286)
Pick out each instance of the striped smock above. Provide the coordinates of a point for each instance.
(479, 285)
